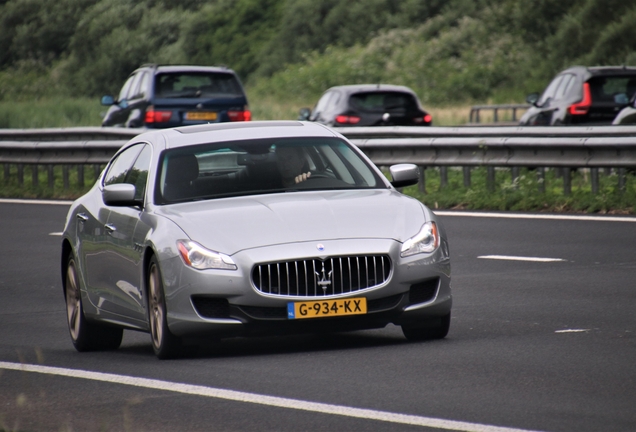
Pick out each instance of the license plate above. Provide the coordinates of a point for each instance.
(327, 308)
(200, 115)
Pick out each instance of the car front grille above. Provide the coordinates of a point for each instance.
(318, 278)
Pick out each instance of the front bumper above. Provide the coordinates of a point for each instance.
(221, 303)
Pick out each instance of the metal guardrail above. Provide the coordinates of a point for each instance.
(573, 147)
(565, 147)
(475, 111)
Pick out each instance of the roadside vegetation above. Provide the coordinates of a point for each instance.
(58, 58)
(521, 194)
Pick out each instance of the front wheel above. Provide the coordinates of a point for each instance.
(434, 329)
(164, 343)
(86, 336)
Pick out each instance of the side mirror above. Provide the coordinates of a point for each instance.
(404, 175)
(120, 195)
(108, 100)
(532, 98)
(304, 114)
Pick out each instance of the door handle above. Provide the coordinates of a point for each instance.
(82, 217)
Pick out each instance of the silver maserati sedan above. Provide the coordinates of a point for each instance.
(199, 233)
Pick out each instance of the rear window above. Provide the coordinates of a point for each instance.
(196, 84)
(382, 101)
(612, 89)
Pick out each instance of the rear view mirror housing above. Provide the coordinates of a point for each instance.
(404, 175)
(120, 195)
(304, 114)
(532, 98)
(108, 100)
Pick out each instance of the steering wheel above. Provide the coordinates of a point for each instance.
(317, 176)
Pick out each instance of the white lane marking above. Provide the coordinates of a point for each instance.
(573, 331)
(538, 216)
(519, 258)
(261, 399)
(56, 233)
(25, 201)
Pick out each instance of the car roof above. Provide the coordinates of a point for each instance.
(237, 131)
(187, 68)
(360, 88)
(592, 71)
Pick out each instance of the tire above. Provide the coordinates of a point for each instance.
(434, 329)
(164, 343)
(86, 336)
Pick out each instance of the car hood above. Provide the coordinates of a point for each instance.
(230, 225)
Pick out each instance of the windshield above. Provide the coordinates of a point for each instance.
(260, 167)
(196, 84)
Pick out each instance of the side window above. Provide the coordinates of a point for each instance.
(139, 88)
(568, 89)
(335, 99)
(323, 103)
(565, 83)
(550, 91)
(133, 93)
(123, 93)
(138, 174)
(119, 168)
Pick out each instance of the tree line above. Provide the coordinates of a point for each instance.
(449, 51)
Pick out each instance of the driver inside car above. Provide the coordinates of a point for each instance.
(292, 165)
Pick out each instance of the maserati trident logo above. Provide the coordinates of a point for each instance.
(324, 278)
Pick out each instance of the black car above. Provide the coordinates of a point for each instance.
(582, 95)
(157, 96)
(368, 105)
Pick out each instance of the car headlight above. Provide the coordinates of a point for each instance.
(200, 258)
(425, 241)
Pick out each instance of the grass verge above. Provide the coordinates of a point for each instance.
(522, 194)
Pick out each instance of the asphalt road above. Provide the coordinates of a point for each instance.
(533, 345)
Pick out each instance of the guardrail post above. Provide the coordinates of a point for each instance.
(541, 179)
(51, 172)
(34, 175)
(443, 177)
(514, 113)
(422, 183)
(490, 178)
(80, 176)
(594, 180)
(7, 172)
(65, 179)
(567, 181)
(466, 170)
(621, 179)
(514, 171)
(20, 175)
(495, 115)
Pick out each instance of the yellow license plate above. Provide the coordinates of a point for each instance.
(200, 116)
(327, 308)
